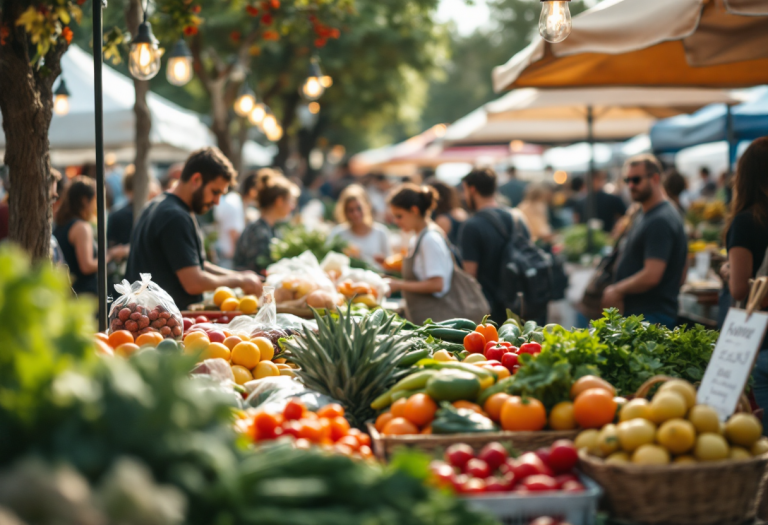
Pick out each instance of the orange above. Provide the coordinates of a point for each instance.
(126, 349)
(249, 304)
(339, 428)
(587, 382)
(561, 417)
(349, 441)
(102, 347)
(594, 408)
(216, 351)
(470, 406)
(119, 337)
(325, 428)
(221, 294)
(501, 371)
(265, 369)
(382, 420)
(331, 410)
(523, 414)
(232, 341)
(494, 403)
(365, 451)
(400, 426)
(242, 374)
(362, 438)
(150, 338)
(246, 354)
(426, 430)
(230, 305)
(420, 409)
(266, 350)
(398, 407)
(101, 336)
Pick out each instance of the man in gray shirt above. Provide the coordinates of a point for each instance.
(653, 261)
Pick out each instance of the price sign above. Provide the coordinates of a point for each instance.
(732, 361)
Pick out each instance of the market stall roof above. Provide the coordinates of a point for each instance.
(173, 127)
(370, 160)
(749, 121)
(663, 43)
(559, 116)
(435, 154)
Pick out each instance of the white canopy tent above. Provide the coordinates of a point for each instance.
(175, 131)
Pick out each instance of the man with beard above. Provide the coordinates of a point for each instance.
(167, 242)
(480, 241)
(652, 265)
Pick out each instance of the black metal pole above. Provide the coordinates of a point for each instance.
(590, 207)
(730, 134)
(101, 218)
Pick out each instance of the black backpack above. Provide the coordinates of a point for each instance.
(525, 271)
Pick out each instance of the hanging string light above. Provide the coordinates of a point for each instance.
(178, 71)
(555, 20)
(257, 114)
(145, 53)
(246, 100)
(61, 99)
(313, 87)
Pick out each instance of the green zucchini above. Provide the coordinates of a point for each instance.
(413, 357)
(447, 334)
(400, 394)
(459, 324)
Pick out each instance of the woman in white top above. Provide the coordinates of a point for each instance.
(368, 240)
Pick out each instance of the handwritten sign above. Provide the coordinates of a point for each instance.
(732, 361)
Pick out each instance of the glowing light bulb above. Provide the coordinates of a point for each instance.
(244, 105)
(257, 114)
(326, 81)
(61, 105)
(312, 88)
(269, 124)
(275, 134)
(178, 71)
(144, 57)
(555, 20)
(314, 107)
(560, 177)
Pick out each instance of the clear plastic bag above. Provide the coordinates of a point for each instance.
(271, 394)
(363, 286)
(267, 323)
(300, 281)
(145, 307)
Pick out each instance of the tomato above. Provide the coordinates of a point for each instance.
(442, 472)
(474, 343)
(292, 428)
(515, 369)
(494, 455)
(496, 484)
(523, 414)
(331, 410)
(562, 479)
(201, 319)
(510, 360)
(458, 481)
(530, 348)
(543, 454)
(488, 330)
(572, 486)
(563, 456)
(540, 483)
(529, 464)
(294, 409)
(477, 468)
(188, 322)
(473, 486)
(494, 351)
(459, 454)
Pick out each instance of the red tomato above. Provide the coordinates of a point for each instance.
(477, 468)
(473, 486)
(474, 343)
(540, 483)
(529, 464)
(494, 351)
(291, 428)
(494, 455)
(563, 456)
(442, 471)
(188, 322)
(509, 360)
(562, 479)
(515, 369)
(530, 348)
(543, 454)
(495, 484)
(459, 454)
(201, 319)
(492, 362)
(458, 481)
(294, 409)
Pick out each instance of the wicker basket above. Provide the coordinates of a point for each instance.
(721, 492)
(383, 446)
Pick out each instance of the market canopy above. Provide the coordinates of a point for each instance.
(749, 121)
(174, 129)
(663, 43)
(559, 116)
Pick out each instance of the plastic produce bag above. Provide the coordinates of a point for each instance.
(363, 286)
(267, 323)
(215, 376)
(272, 394)
(145, 307)
(300, 281)
(335, 265)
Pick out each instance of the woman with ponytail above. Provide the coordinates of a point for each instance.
(432, 285)
(276, 198)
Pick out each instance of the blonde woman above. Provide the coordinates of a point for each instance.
(368, 240)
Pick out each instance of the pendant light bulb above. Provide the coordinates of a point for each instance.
(555, 21)
(61, 99)
(144, 57)
(178, 71)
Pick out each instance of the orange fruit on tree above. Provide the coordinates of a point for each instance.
(119, 337)
(232, 341)
(382, 420)
(494, 403)
(470, 406)
(420, 409)
(126, 349)
(523, 413)
(594, 408)
(331, 410)
(398, 407)
(246, 354)
(400, 426)
(561, 417)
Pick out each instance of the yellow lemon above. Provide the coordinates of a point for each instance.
(265, 347)
(682, 387)
(676, 435)
(608, 440)
(760, 447)
(246, 354)
(221, 294)
(635, 409)
(650, 455)
(667, 405)
(618, 458)
(191, 336)
(588, 439)
(249, 304)
(265, 369)
(474, 358)
(216, 350)
(739, 454)
(711, 447)
(242, 374)
(743, 430)
(561, 417)
(232, 341)
(635, 433)
(443, 356)
(704, 419)
(230, 305)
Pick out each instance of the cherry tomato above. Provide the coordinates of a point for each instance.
(201, 319)
(474, 343)
(540, 483)
(572, 486)
(477, 468)
(562, 479)
(442, 472)
(494, 352)
(530, 348)
(529, 464)
(510, 360)
(543, 454)
(496, 484)
(459, 454)
(563, 456)
(473, 486)
(494, 455)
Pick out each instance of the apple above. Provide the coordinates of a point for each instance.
(201, 319)
(216, 336)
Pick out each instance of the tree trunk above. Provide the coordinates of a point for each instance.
(242, 138)
(220, 115)
(133, 16)
(26, 103)
(290, 103)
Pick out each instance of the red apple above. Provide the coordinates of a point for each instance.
(201, 319)
(216, 336)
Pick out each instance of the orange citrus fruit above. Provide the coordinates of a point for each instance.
(249, 304)
(230, 305)
(126, 349)
(221, 294)
(266, 349)
(494, 403)
(103, 347)
(561, 417)
(119, 337)
(265, 369)
(382, 420)
(216, 351)
(523, 414)
(150, 338)
(594, 408)
(420, 409)
(232, 341)
(398, 407)
(101, 336)
(400, 426)
(246, 354)
(242, 374)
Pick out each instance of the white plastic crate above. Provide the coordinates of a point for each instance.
(578, 508)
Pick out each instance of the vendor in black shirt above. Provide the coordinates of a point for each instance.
(608, 208)
(167, 242)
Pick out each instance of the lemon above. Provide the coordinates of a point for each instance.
(265, 369)
(743, 430)
(608, 440)
(230, 305)
(221, 294)
(588, 439)
(618, 458)
(246, 354)
(249, 304)
(474, 358)
(760, 447)
(635, 433)
(216, 351)
(265, 348)
(193, 345)
(711, 447)
(444, 356)
(686, 459)
(704, 419)
(635, 409)
(682, 387)
(676, 435)
(242, 374)
(739, 454)
(650, 455)
(667, 405)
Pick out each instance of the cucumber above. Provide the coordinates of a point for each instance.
(413, 357)
(452, 385)
(383, 401)
(414, 381)
(447, 334)
(459, 324)
(400, 394)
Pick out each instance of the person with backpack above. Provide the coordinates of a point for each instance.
(497, 250)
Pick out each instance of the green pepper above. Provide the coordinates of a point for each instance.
(450, 420)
